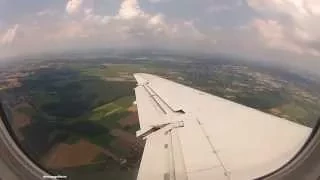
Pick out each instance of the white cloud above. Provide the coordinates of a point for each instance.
(157, 19)
(313, 6)
(273, 33)
(133, 24)
(294, 21)
(130, 9)
(9, 36)
(91, 17)
(82, 27)
(73, 6)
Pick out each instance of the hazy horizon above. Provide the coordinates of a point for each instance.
(275, 31)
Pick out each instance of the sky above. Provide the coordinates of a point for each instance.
(283, 31)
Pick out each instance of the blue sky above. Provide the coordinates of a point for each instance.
(286, 31)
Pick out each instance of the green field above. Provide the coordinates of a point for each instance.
(67, 105)
(86, 100)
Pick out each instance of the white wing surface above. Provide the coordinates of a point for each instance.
(197, 136)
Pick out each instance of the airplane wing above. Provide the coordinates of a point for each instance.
(197, 136)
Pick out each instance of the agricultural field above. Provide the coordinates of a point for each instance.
(79, 119)
(69, 119)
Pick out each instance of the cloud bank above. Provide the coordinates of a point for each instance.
(291, 25)
(253, 28)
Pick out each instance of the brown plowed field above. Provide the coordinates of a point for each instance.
(81, 153)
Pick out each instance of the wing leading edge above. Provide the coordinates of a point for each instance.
(193, 135)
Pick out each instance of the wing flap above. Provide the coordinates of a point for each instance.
(154, 163)
(150, 113)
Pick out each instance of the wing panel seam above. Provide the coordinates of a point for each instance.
(226, 172)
